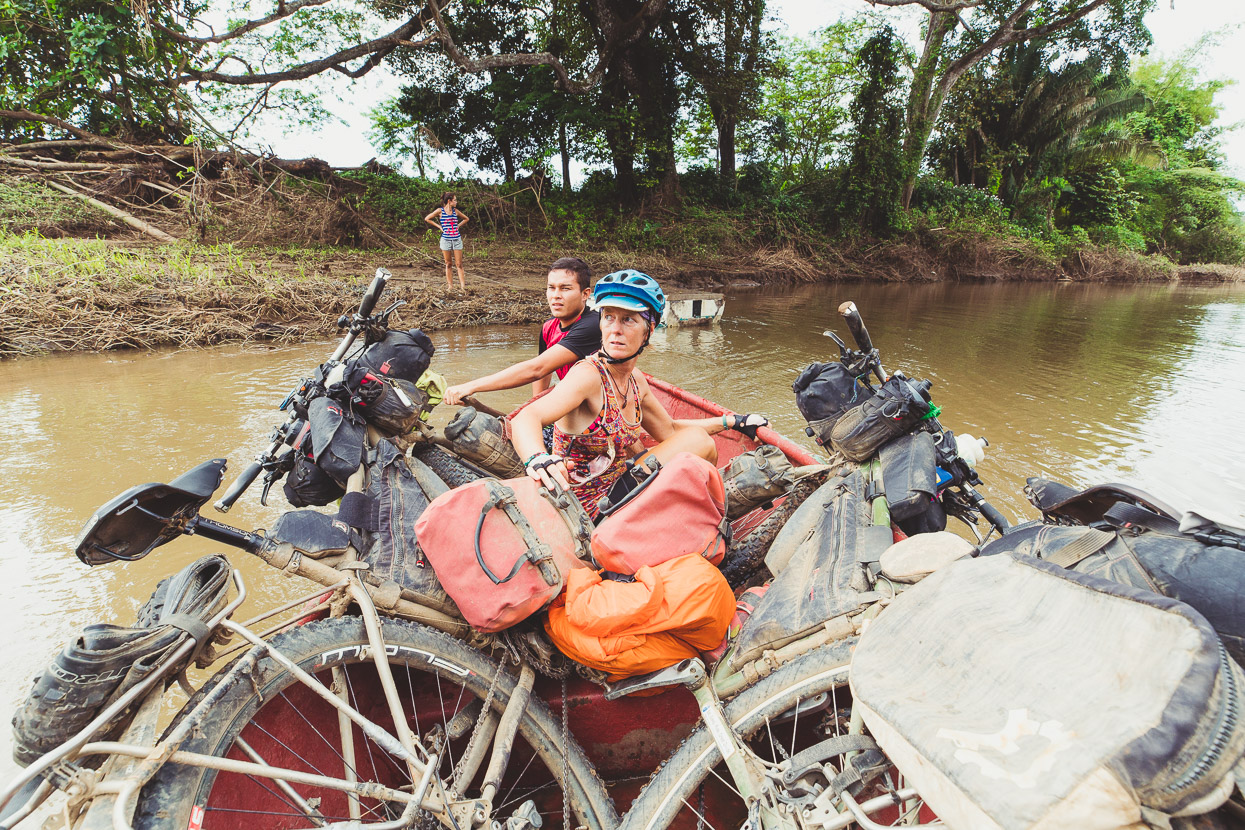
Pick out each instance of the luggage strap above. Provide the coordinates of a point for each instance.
(1090, 541)
(1127, 516)
(538, 553)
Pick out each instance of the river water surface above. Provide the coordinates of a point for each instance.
(1088, 384)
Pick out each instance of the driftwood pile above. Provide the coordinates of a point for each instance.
(171, 192)
(79, 315)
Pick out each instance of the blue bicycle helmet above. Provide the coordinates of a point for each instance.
(632, 290)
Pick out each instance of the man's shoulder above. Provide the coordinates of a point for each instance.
(591, 318)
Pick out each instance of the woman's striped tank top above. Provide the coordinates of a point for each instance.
(449, 224)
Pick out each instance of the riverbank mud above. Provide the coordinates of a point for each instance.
(98, 295)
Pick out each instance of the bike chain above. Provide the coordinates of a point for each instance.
(566, 758)
(453, 794)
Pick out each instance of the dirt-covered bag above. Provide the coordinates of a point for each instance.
(863, 430)
(314, 534)
(503, 549)
(753, 478)
(306, 485)
(337, 438)
(1139, 548)
(481, 439)
(402, 488)
(404, 355)
(1014, 694)
(824, 392)
(910, 476)
(823, 579)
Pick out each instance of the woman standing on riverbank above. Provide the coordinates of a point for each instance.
(449, 220)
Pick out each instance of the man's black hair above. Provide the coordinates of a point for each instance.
(577, 267)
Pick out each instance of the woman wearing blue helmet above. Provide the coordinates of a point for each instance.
(603, 405)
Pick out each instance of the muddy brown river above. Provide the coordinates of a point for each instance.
(1084, 383)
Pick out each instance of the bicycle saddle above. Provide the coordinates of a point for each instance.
(1091, 504)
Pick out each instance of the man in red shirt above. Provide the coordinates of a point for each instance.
(572, 334)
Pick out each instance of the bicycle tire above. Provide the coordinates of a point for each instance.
(271, 701)
(671, 797)
(746, 559)
(449, 467)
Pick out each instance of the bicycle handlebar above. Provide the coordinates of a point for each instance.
(235, 491)
(357, 324)
(856, 325)
(372, 295)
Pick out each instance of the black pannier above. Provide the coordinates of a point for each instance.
(910, 477)
(405, 355)
(896, 409)
(337, 438)
(306, 485)
(823, 392)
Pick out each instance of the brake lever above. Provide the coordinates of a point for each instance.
(269, 480)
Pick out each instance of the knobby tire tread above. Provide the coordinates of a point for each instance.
(166, 800)
(449, 468)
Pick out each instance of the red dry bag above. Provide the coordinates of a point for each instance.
(502, 549)
(678, 510)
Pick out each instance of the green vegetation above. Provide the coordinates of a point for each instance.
(1027, 125)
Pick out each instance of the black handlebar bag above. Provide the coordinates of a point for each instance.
(405, 355)
(824, 392)
(1015, 694)
(896, 409)
(306, 485)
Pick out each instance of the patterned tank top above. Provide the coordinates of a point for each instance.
(598, 456)
(449, 224)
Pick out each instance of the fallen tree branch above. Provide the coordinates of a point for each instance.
(164, 189)
(64, 165)
(24, 115)
(128, 218)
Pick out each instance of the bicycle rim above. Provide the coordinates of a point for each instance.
(442, 685)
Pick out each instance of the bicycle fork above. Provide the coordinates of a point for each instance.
(746, 769)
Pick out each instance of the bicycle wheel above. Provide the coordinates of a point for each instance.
(802, 704)
(283, 721)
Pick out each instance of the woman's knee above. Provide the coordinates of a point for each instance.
(688, 439)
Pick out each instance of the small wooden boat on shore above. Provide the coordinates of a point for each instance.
(686, 308)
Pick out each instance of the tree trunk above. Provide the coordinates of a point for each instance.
(924, 101)
(564, 147)
(726, 149)
(507, 157)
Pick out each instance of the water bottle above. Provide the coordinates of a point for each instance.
(971, 449)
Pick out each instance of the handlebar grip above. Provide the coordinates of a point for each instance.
(856, 325)
(239, 487)
(372, 295)
(993, 516)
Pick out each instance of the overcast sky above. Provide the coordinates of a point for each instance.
(344, 142)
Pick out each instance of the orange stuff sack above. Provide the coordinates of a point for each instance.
(680, 510)
(672, 611)
(512, 530)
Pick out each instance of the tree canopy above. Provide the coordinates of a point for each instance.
(1043, 107)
